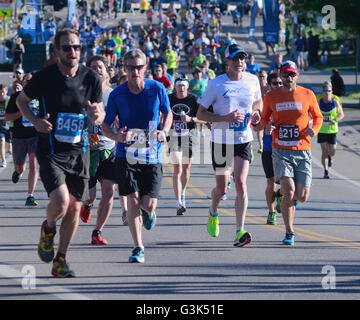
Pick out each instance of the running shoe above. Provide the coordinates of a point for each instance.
(31, 202)
(137, 255)
(85, 213)
(260, 150)
(242, 238)
(213, 225)
(61, 269)
(124, 218)
(149, 219)
(180, 210)
(16, 177)
(278, 203)
(229, 185)
(97, 239)
(271, 219)
(326, 175)
(3, 164)
(46, 244)
(289, 239)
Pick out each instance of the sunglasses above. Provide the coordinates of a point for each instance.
(327, 90)
(239, 56)
(275, 83)
(132, 68)
(290, 74)
(68, 47)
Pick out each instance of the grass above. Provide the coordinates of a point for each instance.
(353, 96)
(341, 62)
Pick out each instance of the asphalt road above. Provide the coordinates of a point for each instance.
(182, 261)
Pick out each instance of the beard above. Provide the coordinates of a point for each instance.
(69, 63)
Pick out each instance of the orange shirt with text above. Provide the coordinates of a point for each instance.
(290, 111)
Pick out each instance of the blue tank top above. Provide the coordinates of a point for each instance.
(327, 106)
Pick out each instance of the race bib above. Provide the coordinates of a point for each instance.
(326, 118)
(180, 128)
(288, 135)
(240, 126)
(69, 127)
(139, 146)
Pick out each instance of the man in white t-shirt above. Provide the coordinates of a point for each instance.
(236, 101)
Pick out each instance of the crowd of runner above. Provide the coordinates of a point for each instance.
(138, 101)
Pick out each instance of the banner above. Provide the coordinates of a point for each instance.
(271, 21)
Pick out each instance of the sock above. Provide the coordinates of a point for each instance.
(30, 195)
(60, 255)
(214, 214)
(178, 203)
(96, 233)
(239, 229)
(47, 229)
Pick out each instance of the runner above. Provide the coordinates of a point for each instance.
(182, 138)
(4, 125)
(289, 107)
(143, 109)
(333, 113)
(25, 140)
(236, 98)
(102, 163)
(69, 94)
(274, 82)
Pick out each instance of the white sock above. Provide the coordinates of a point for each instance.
(178, 203)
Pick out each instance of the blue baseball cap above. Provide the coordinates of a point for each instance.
(234, 49)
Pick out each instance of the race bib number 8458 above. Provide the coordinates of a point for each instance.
(69, 127)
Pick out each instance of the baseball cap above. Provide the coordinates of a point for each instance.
(289, 66)
(232, 50)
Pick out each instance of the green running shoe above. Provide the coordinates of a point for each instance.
(271, 219)
(213, 225)
(149, 219)
(242, 238)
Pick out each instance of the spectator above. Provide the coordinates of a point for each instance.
(252, 66)
(337, 82)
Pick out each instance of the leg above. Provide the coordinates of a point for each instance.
(135, 218)
(241, 170)
(176, 161)
(185, 176)
(33, 173)
(105, 204)
(270, 193)
(69, 224)
(220, 189)
(287, 189)
(324, 155)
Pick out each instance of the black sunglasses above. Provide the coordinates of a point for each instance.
(240, 56)
(132, 68)
(289, 74)
(275, 83)
(68, 47)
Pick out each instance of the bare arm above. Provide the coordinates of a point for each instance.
(339, 110)
(204, 115)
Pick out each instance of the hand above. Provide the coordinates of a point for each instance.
(309, 132)
(160, 136)
(95, 112)
(185, 118)
(235, 116)
(124, 136)
(255, 117)
(43, 125)
(269, 128)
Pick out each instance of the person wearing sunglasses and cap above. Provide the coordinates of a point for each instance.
(69, 95)
(333, 113)
(286, 116)
(236, 100)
